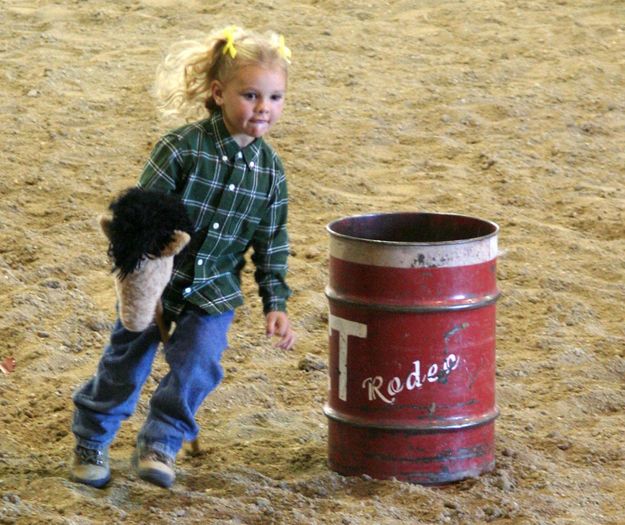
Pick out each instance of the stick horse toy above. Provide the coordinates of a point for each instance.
(146, 230)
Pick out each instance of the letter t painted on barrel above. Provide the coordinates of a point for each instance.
(345, 328)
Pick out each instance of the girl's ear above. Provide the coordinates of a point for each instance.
(217, 92)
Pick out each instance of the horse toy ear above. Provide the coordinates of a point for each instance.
(105, 225)
(179, 240)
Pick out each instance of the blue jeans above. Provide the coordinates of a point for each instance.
(193, 354)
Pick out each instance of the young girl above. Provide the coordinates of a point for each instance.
(234, 189)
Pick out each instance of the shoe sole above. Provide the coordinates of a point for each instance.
(96, 483)
(156, 477)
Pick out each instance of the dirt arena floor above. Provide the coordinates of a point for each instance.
(509, 110)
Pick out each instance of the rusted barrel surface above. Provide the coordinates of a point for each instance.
(412, 346)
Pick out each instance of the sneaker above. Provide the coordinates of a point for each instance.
(154, 467)
(91, 467)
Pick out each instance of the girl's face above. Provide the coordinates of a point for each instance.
(251, 101)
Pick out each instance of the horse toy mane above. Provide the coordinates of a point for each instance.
(143, 224)
(146, 230)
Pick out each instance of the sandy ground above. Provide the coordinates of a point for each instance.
(512, 111)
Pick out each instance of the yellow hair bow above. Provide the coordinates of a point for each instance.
(228, 34)
(283, 51)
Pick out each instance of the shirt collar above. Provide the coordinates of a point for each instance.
(226, 145)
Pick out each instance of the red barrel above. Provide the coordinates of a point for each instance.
(412, 346)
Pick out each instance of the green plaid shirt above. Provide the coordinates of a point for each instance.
(235, 198)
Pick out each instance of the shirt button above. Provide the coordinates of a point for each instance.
(200, 262)
(231, 187)
(187, 290)
(215, 226)
(252, 165)
(224, 158)
(239, 155)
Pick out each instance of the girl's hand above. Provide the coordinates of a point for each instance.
(277, 323)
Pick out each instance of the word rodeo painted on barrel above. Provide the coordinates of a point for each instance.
(377, 387)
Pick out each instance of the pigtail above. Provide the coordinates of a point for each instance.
(182, 84)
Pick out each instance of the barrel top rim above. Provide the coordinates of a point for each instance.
(333, 233)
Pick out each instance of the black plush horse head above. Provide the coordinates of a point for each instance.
(143, 224)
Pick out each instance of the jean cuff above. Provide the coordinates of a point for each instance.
(91, 445)
(158, 447)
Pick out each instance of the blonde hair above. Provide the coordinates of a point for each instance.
(183, 80)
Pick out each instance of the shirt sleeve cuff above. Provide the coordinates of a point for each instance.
(274, 305)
